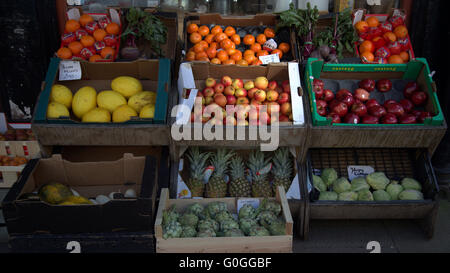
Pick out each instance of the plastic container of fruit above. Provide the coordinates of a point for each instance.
(395, 163)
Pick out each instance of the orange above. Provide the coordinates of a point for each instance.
(209, 38)
(220, 37)
(230, 31)
(390, 37)
(222, 55)
(226, 43)
(87, 41)
(195, 37)
(270, 33)
(262, 53)
(113, 28)
(214, 44)
(107, 52)
(261, 39)
(236, 56)
(215, 30)
(203, 30)
(257, 62)
(255, 47)
(395, 59)
(230, 51)
(64, 53)
(401, 32)
(215, 61)
(236, 39)
(284, 47)
(362, 26)
(233, 45)
(367, 56)
(249, 39)
(249, 58)
(277, 51)
(211, 52)
(85, 19)
(230, 61)
(204, 44)
(405, 56)
(203, 59)
(72, 25)
(200, 55)
(198, 48)
(373, 21)
(249, 52)
(99, 34)
(242, 63)
(366, 46)
(192, 28)
(190, 56)
(75, 47)
(95, 58)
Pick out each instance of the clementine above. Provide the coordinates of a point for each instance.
(215, 61)
(405, 56)
(367, 56)
(198, 48)
(249, 51)
(190, 56)
(72, 25)
(195, 37)
(401, 32)
(249, 39)
(192, 28)
(362, 26)
(230, 31)
(236, 39)
(250, 58)
(203, 30)
(284, 47)
(85, 19)
(226, 43)
(200, 55)
(222, 55)
(277, 51)
(373, 21)
(395, 59)
(211, 52)
(367, 46)
(230, 51)
(107, 52)
(229, 61)
(95, 58)
(113, 28)
(75, 47)
(255, 47)
(262, 53)
(270, 33)
(236, 56)
(87, 41)
(209, 38)
(99, 34)
(242, 62)
(215, 30)
(261, 39)
(257, 62)
(64, 53)
(390, 37)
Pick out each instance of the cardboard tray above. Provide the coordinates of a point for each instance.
(263, 244)
(395, 163)
(89, 179)
(70, 131)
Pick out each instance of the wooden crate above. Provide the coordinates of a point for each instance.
(263, 244)
(28, 149)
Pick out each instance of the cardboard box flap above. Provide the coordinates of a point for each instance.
(144, 70)
(252, 20)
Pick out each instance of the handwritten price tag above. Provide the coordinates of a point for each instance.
(273, 58)
(359, 171)
(69, 70)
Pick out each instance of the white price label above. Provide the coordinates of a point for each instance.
(69, 70)
(273, 58)
(254, 202)
(359, 171)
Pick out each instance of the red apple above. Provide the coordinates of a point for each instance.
(240, 92)
(335, 118)
(264, 118)
(231, 100)
(407, 105)
(283, 97)
(272, 95)
(242, 100)
(318, 93)
(318, 84)
(419, 98)
(249, 85)
(286, 108)
(208, 92)
(359, 109)
(423, 115)
(286, 86)
(349, 100)
(219, 87)
(384, 85)
(238, 83)
(273, 107)
(251, 92)
(283, 118)
(210, 82)
(371, 102)
(328, 95)
(229, 91)
(261, 83)
(367, 84)
(342, 94)
(339, 108)
(220, 99)
(272, 85)
(362, 94)
(209, 100)
(260, 95)
(408, 119)
(416, 113)
(389, 119)
(409, 89)
(351, 118)
(321, 107)
(279, 89)
(368, 119)
(389, 102)
(226, 81)
(377, 111)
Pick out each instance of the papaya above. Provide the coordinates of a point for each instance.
(54, 193)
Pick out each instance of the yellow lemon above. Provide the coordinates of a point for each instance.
(123, 113)
(147, 111)
(84, 100)
(110, 100)
(61, 94)
(127, 86)
(57, 110)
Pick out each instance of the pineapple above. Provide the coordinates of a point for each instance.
(239, 186)
(260, 183)
(217, 186)
(282, 169)
(198, 164)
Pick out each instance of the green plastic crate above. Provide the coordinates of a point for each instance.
(163, 87)
(410, 71)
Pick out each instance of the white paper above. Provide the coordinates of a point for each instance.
(294, 189)
(254, 202)
(296, 100)
(273, 58)
(183, 191)
(359, 171)
(69, 70)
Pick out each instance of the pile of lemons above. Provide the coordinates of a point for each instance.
(126, 99)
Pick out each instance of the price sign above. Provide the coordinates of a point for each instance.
(69, 70)
(359, 171)
(273, 58)
(254, 202)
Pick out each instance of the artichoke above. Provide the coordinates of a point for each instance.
(208, 224)
(246, 224)
(277, 228)
(172, 230)
(319, 184)
(188, 219)
(365, 195)
(410, 195)
(170, 215)
(247, 211)
(359, 184)
(377, 180)
(348, 196)
(411, 184)
(224, 215)
(195, 208)
(259, 231)
(341, 185)
(234, 232)
(228, 224)
(328, 176)
(216, 207)
(381, 195)
(188, 232)
(206, 233)
(265, 218)
(394, 189)
(270, 205)
(328, 196)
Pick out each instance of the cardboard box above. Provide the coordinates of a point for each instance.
(261, 244)
(27, 149)
(89, 179)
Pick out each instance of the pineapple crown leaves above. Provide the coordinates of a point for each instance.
(282, 163)
(198, 161)
(220, 160)
(237, 168)
(256, 162)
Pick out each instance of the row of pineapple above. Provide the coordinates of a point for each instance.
(215, 220)
(226, 163)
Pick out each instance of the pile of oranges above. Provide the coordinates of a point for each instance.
(386, 42)
(89, 39)
(219, 46)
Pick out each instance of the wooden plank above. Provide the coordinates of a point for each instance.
(281, 197)
(163, 200)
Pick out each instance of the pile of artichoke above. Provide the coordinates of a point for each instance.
(374, 187)
(215, 220)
